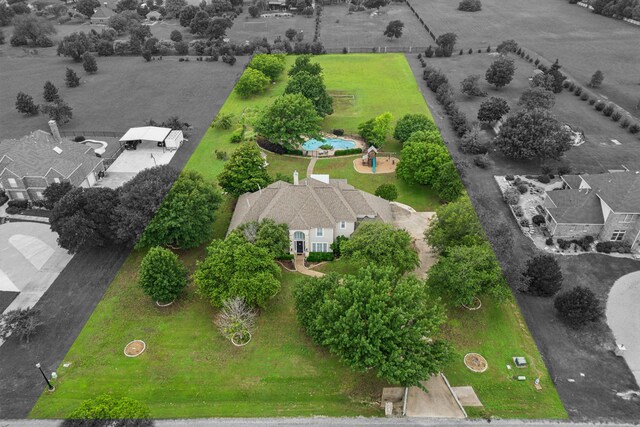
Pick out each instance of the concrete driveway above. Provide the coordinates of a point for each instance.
(623, 317)
(415, 223)
(30, 260)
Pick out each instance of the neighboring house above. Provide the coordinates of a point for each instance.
(316, 210)
(29, 164)
(102, 15)
(606, 206)
(154, 15)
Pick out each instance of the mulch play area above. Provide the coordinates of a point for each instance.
(385, 164)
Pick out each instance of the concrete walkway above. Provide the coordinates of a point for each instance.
(439, 402)
(302, 269)
(623, 317)
(311, 165)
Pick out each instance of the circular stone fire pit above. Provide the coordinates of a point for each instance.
(135, 348)
(475, 362)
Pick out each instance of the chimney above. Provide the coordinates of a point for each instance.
(295, 178)
(54, 130)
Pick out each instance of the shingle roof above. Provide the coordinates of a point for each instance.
(34, 155)
(573, 181)
(103, 12)
(575, 207)
(619, 190)
(312, 204)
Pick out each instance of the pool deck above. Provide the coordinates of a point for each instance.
(359, 143)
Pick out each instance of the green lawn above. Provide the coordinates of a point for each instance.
(389, 86)
(498, 332)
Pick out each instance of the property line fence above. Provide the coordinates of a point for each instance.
(424, 24)
(85, 133)
(377, 49)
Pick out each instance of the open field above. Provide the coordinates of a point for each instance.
(584, 42)
(597, 154)
(498, 332)
(567, 352)
(339, 28)
(246, 28)
(125, 92)
(390, 87)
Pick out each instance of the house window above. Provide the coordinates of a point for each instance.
(12, 183)
(627, 218)
(298, 235)
(618, 235)
(56, 180)
(343, 225)
(319, 247)
(319, 232)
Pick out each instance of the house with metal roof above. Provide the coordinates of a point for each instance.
(606, 206)
(317, 210)
(30, 164)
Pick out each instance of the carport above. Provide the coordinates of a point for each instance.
(161, 137)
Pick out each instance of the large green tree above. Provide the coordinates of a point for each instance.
(410, 123)
(373, 320)
(303, 63)
(381, 244)
(267, 234)
(536, 97)
(162, 276)
(31, 30)
(245, 171)
(270, 65)
(455, 224)
(251, 82)
(186, 215)
(288, 120)
(467, 272)
(313, 88)
(533, 134)
(234, 267)
(492, 109)
(87, 7)
(501, 71)
(542, 275)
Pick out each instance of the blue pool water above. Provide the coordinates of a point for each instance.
(337, 143)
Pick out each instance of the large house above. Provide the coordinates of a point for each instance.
(101, 15)
(29, 164)
(606, 206)
(316, 209)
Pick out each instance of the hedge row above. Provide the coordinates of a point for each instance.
(320, 256)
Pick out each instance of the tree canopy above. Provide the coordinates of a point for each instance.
(492, 109)
(470, 86)
(244, 172)
(312, 87)
(107, 407)
(466, 272)
(375, 320)
(530, 134)
(251, 82)
(537, 97)
(83, 218)
(303, 63)
(234, 267)
(543, 276)
(394, 29)
(186, 215)
(410, 123)
(381, 244)
(455, 224)
(31, 30)
(578, 306)
(501, 71)
(54, 192)
(374, 131)
(162, 276)
(270, 65)
(288, 120)
(267, 234)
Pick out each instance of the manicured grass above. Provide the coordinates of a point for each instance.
(389, 86)
(189, 370)
(498, 332)
(420, 197)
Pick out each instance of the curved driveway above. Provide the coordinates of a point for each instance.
(623, 316)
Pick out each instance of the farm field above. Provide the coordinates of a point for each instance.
(246, 28)
(583, 42)
(390, 87)
(125, 92)
(497, 332)
(340, 29)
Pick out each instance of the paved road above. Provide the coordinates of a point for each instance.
(623, 317)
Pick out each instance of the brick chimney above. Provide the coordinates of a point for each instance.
(295, 178)
(54, 130)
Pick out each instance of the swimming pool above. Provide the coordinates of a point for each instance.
(336, 143)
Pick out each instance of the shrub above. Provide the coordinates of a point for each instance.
(538, 219)
(237, 136)
(600, 106)
(483, 161)
(578, 306)
(320, 256)
(625, 123)
(511, 196)
(543, 276)
(336, 246)
(578, 91)
(592, 101)
(572, 87)
(470, 51)
(338, 132)
(608, 110)
(517, 210)
(565, 84)
(346, 152)
(21, 322)
(471, 142)
(19, 204)
(544, 179)
(524, 222)
(470, 5)
(564, 169)
(564, 244)
(509, 177)
(536, 62)
(387, 191)
(584, 96)
(634, 128)
(549, 241)
(616, 115)
(106, 407)
(523, 188)
(162, 276)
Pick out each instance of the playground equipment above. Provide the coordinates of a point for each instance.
(369, 158)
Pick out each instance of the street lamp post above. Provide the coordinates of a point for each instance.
(49, 385)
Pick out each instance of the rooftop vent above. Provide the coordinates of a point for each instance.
(57, 149)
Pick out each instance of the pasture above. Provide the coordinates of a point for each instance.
(582, 41)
